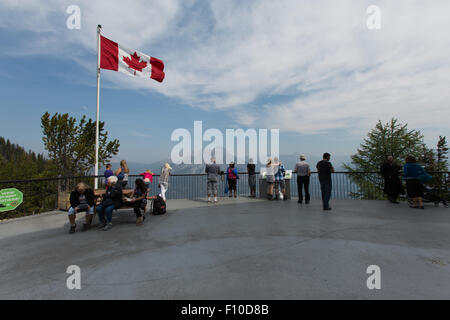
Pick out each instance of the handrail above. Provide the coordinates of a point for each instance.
(178, 175)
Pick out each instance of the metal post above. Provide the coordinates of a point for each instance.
(99, 29)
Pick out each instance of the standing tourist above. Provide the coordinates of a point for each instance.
(251, 170)
(122, 174)
(232, 176)
(213, 171)
(279, 185)
(164, 180)
(148, 177)
(270, 178)
(325, 169)
(108, 172)
(391, 174)
(303, 173)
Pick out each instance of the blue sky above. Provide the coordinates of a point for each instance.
(311, 69)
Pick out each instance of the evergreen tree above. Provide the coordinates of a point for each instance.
(72, 146)
(391, 138)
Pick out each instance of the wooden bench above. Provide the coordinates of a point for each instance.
(99, 192)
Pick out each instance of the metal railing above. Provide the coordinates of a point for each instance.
(41, 195)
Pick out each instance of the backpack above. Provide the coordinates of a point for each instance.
(231, 174)
(158, 206)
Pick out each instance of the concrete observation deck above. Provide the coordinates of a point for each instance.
(238, 249)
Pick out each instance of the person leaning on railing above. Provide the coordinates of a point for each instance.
(270, 178)
(251, 170)
(303, 173)
(279, 185)
(81, 199)
(111, 199)
(415, 177)
(232, 176)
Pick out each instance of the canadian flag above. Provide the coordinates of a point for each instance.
(118, 58)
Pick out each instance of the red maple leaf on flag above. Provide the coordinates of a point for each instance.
(135, 62)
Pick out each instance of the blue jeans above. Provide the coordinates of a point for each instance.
(325, 187)
(102, 211)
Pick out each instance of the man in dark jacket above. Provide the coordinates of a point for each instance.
(392, 185)
(81, 199)
(111, 199)
(324, 170)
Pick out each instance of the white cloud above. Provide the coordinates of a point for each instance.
(315, 62)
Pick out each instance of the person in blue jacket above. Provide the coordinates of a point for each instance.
(415, 177)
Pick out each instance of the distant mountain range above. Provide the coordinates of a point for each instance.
(289, 162)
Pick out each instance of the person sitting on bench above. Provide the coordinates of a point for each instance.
(139, 200)
(111, 199)
(81, 199)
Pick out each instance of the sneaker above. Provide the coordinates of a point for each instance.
(299, 201)
(140, 221)
(107, 227)
(72, 229)
(101, 225)
(86, 227)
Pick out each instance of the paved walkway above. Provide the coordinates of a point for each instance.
(239, 249)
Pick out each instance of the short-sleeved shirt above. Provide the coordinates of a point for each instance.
(251, 168)
(324, 168)
(302, 168)
(108, 173)
(213, 171)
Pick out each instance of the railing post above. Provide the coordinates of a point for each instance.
(58, 192)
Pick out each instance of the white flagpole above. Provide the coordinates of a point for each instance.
(99, 29)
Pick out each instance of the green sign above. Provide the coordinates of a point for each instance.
(10, 199)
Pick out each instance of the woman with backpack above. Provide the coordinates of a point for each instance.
(232, 176)
(122, 174)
